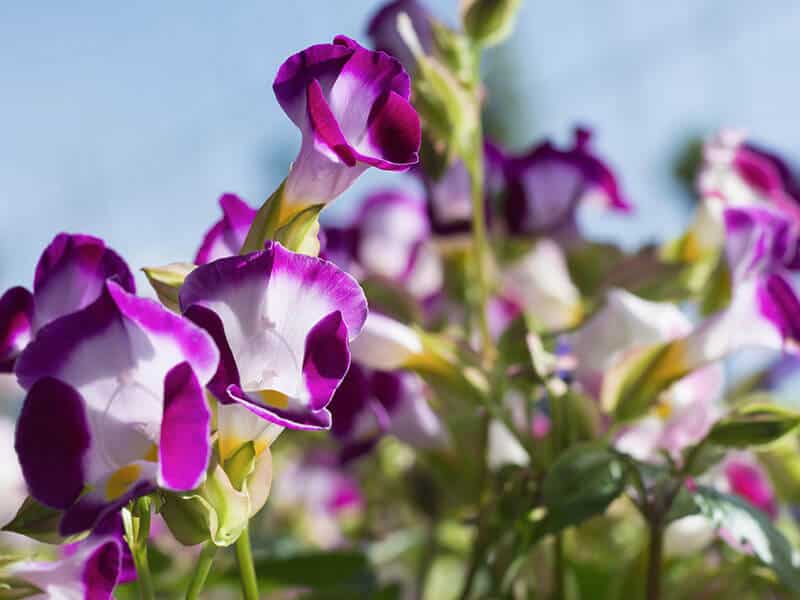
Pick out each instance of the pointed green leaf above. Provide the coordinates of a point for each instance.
(167, 282)
(754, 425)
(37, 521)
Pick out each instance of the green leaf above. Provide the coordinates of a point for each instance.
(752, 528)
(301, 226)
(37, 521)
(581, 484)
(167, 282)
(754, 425)
(16, 589)
(266, 222)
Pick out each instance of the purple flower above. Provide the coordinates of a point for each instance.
(93, 572)
(110, 528)
(69, 276)
(115, 405)
(351, 105)
(389, 238)
(226, 237)
(746, 478)
(370, 403)
(738, 174)
(449, 198)
(383, 32)
(283, 323)
(547, 184)
(761, 248)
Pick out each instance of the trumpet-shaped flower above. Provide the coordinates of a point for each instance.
(370, 403)
(283, 323)
(547, 184)
(226, 236)
(351, 106)
(390, 239)
(115, 405)
(69, 276)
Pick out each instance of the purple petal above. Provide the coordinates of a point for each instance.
(350, 399)
(51, 441)
(321, 63)
(382, 30)
(758, 240)
(102, 570)
(326, 359)
(91, 509)
(227, 373)
(184, 446)
(394, 134)
(778, 303)
(294, 417)
(226, 236)
(750, 482)
(325, 127)
(70, 275)
(16, 324)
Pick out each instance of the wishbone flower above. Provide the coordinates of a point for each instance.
(283, 323)
(115, 405)
(351, 106)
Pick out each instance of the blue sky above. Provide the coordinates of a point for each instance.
(128, 120)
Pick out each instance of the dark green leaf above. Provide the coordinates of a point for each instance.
(36, 521)
(754, 425)
(753, 529)
(581, 484)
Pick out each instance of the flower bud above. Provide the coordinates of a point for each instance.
(489, 22)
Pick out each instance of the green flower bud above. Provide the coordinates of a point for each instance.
(489, 22)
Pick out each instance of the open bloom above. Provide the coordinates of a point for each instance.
(69, 276)
(547, 184)
(351, 106)
(685, 411)
(283, 323)
(370, 403)
(115, 405)
(762, 250)
(389, 238)
(735, 174)
(92, 571)
(226, 237)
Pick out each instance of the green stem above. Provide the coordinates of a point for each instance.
(480, 242)
(559, 569)
(144, 580)
(654, 558)
(247, 571)
(202, 569)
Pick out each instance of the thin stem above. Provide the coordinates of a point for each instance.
(201, 570)
(559, 569)
(477, 550)
(654, 558)
(426, 558)
(480, 242)
(143, 577)
(247, 571)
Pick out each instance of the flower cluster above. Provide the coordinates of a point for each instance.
(477, 391)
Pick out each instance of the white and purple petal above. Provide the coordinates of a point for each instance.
(92, 572)
(226, 237)
(351, 106)
(547, 184)
(284, 322)
(16, 325)
(383, 32)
